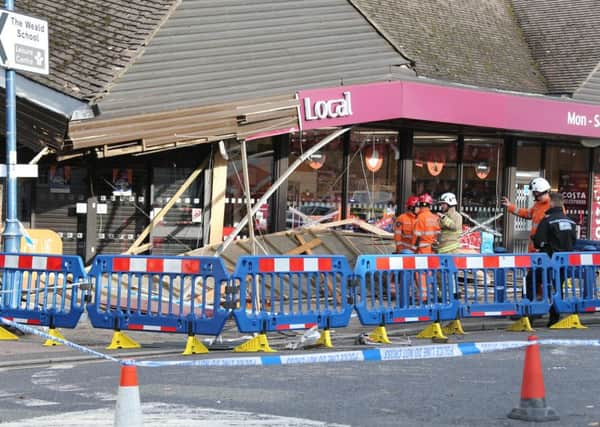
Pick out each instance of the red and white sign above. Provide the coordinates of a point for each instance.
(156, 265)
(294, 264)
(492, 261)
(595, 214)
(407, 263)
(30, 262)
(584, 259)
(196, 215)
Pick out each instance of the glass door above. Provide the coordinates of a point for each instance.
(529, 166)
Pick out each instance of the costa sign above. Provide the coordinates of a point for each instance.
(328, 109)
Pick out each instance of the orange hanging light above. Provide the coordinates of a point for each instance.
(316, 160)
(373, 158)
(482, 170)
(435, 167)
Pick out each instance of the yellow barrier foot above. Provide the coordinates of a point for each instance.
(569, 322)
(258, 343)
(53, 332)
(433, 331)
(454, 328)
(120, 340)
(194, 346)
(380, 335)
(325, 339)
(521, 325)
(6, 335)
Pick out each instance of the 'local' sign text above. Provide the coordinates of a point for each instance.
(329, 109)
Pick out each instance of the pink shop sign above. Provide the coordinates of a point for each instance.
(500, 110)
(346, 105)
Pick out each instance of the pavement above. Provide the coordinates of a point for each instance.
(29, 350)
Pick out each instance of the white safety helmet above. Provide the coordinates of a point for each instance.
(540, 185)
(449, 198)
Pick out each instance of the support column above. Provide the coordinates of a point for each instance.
(509, 186)
(217, 203)
(592, 153)
(206, 204)
(345, 174)
(278, 210)
(460, 148)
(405, 167)
(91, 230)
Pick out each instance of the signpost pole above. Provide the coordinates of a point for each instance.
(11, 235)
(23, 46)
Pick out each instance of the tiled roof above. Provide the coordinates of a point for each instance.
(93, 41)
(590, 89)
(215, 51)
(564, 36)
(474, 42)
(145, 56)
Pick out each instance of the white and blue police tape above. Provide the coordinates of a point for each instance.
(570, 343)
(29, 329)
(365, 355)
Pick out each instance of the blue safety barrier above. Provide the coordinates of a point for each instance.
(582, 245)
(495, 285)
(292, 292)
(576, 282)
(404, 288)
(159, 294)
(49, 289)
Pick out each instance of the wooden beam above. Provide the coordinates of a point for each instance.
(217, 204)
(308, 251)
(305, 247)
(142, 248)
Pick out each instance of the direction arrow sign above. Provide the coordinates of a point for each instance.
(23, 43)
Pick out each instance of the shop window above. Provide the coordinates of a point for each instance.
(435, 164)
(260, 173)
(529, 157)
(315, 187)
(567, 172)
(180, 230)
(372, 173)
(482, 183)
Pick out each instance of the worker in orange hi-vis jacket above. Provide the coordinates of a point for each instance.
(426, 234)
(541, 194)
(540, 188)
(427, 227)
(404, 226)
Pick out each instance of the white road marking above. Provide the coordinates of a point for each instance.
(165, 415)
(97, 395)
(44, 377)
(35, 402)
(64, 387)
(19, 399)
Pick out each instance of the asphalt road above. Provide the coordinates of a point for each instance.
(464, 391)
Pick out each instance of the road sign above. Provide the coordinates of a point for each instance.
(23, 43)
(19, 171)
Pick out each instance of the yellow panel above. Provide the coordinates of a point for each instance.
(44, 242)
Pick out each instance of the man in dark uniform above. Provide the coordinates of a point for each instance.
(555, 233)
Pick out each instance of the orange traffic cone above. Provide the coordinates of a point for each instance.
(129, 409)
(533, 394)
